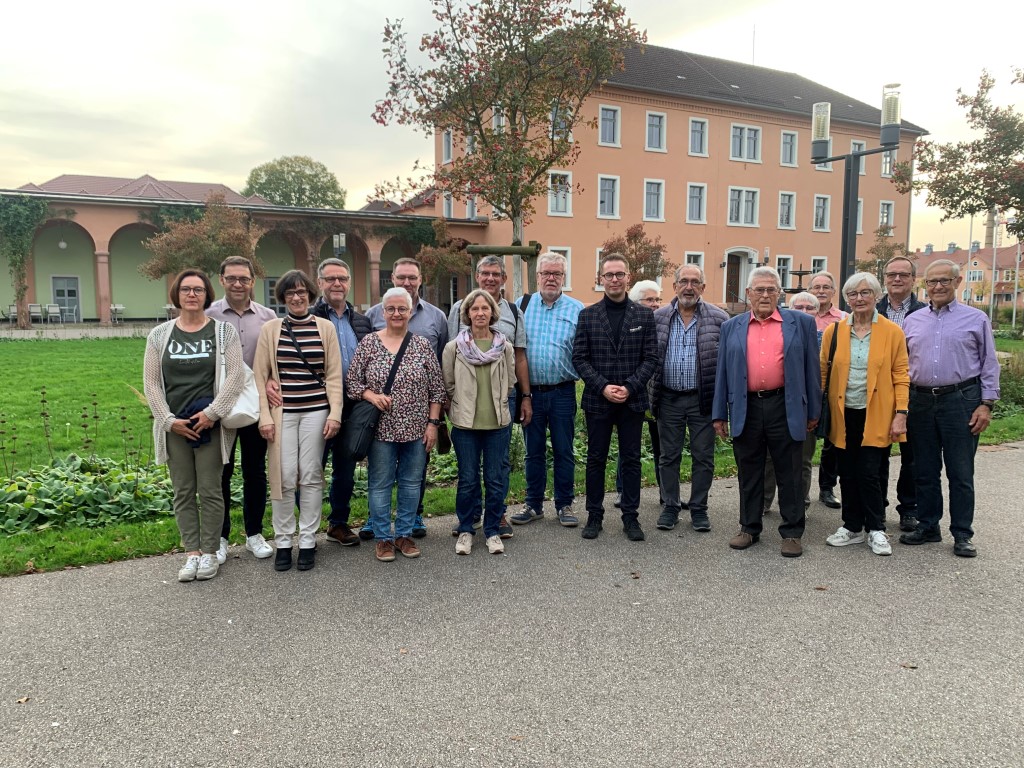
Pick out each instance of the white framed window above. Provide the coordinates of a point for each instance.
(888, 162)
(657, 125)
(696, 203)
(789, 150)
(822, 206)
(447, 205)
(975, 275)
(787, 210)
(561, 117)
(745, 143)
(654, 200)
(566, 251)
(471, 207)
(498, 119)
(818, 264)
(1007, 275)
(860, 215)
(743, 205)
(694, 258)
(607, 197)
(470, 140)
(885, 214)
(783, 264)
(826, 166)
(559, 193)
(609, 129)
(597, 270)
(446, 146)
(860, 146)
(698, 137)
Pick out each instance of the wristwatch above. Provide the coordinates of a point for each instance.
(526, 394)
(989, 403)
(435, 422)
(904, 411)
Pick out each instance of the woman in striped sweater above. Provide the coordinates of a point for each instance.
(302, 353)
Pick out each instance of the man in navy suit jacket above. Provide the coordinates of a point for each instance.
(615, 353)
(768, 390)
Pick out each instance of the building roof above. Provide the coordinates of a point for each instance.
(145, 187)
(690, 75)
(386, 206)
(1006, 258)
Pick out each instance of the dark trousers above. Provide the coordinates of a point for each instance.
(765, 433)
(652, 430)
(828, 468)
(343, 476)
(906, 490)
(254, 480)
(628, 424)
(679, 413)
(859, 477)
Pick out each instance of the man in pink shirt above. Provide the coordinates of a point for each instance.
(823, 286)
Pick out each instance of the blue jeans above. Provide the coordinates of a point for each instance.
(553, 411)
(388, 463)
(939, 433)
(343, 480)
(472, 445)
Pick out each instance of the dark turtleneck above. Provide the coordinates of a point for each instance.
(616, 315)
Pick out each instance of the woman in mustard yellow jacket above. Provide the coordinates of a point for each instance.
(868, 395)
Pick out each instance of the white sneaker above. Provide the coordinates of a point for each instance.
(188, 571)
(879, 543)
(222, 551)
(495, 545)
(842, 537)
(208, 567)
(465, 544)
(258, 546)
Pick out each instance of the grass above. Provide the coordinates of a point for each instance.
(94, 377)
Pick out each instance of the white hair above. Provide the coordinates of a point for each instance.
(764, 272)
(638, 290)
(863, 277)
(400, 293)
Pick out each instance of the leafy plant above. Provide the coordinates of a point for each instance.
(20, 217)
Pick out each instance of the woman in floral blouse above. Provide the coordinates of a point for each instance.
(409, 419)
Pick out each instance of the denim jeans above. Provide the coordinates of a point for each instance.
(940, 436)
(389, 463)
(553, 411)
(343, 471)
(472, 445)
(254, 481)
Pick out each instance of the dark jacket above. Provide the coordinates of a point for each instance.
(915, 304)
(709, 324)
(360, 324)
(601, 361)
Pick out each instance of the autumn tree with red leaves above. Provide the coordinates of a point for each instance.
(508, 81)
(644, 257)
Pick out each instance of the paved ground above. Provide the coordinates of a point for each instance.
(672, 652)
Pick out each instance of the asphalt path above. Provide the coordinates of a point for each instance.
(676, 651)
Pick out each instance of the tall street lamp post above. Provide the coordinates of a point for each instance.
(821, 117)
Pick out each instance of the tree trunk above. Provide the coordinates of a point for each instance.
(517, 268)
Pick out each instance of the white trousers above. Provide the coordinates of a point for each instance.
(302, 476)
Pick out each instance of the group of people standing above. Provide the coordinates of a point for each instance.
(892, 368)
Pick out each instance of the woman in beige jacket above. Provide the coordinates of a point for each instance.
(479, 370)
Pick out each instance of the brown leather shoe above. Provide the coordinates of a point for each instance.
(742, 540)
(792, 548)
(343, 535)
(407, 546)
(385, 551)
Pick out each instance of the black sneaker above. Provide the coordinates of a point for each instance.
(505, 528)
(908, 523)
(667, 521)
(633, 530)
(964, 547)
(700, 521)
(283, 559)
(921, 536)
(419, 530)
(307, 558)
(592, 528)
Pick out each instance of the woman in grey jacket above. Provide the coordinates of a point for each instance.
(479, 370)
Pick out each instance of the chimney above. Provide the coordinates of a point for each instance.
(990, 227)
(975, 246)
(951, 249)
(928, 248)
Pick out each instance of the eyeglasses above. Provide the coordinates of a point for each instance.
(189, 290)
(551, 275)
(764, 291)
(805, 307)
(495, 275)
(336, 279)
(654, 300)
(614, 275)
(696, 283)
(898, 275)
(396, 310)
(299, 293)
(233, 280)
(823, 288)
(943, 281)
(863, 294)
(405, 279)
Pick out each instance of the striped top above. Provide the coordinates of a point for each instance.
(300, 391)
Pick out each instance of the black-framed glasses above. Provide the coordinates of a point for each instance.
(865, 293)
(614, 276)
(550, 275)
(934, 281)
(695, 282)
(299, 293)
(189, 290)
(234, 280)
(898, 275)
(336, 279)
(397, 311)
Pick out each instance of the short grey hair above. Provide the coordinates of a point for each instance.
(331, 262)
(764, 272)
(679, 271)
(550, 257)
(491, 261)
(400, 293)
(863, 277)
(953, 266)
(810, 298)
(638, 290)
(825, 273)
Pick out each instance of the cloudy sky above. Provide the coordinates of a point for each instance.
(200, 91)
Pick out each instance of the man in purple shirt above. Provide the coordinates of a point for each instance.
(954, 383)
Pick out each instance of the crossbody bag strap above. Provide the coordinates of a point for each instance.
(831, 354)
(398, 361)
(291, 334)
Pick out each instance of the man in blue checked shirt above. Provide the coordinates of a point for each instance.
(550, 318)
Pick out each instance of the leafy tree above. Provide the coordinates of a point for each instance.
(645, 257)
(508, 81)
(968, 177)
(20, 217)
(219, 233)
(297, 181)
(439, 262)
(884, 248)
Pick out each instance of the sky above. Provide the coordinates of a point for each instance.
(200, 91)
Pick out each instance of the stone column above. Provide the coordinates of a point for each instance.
(373, 264)
(103, 291)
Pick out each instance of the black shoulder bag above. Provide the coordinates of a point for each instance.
(360, 428)
(525, 302)
(825, 420)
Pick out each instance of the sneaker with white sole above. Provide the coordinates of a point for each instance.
(222, 551)
(842, 537)
(465, 544)
(258, 546)
(567, 518)
(527, 515)
(879, 543)
(495, 545)
(208, 567)
(188, 571)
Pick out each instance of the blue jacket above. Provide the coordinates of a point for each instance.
(801, 367)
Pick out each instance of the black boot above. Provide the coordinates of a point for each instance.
(593, 527)
(283, 559)
(631, 525)
(307, 558)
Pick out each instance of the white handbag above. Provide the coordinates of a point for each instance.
(246, 409)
